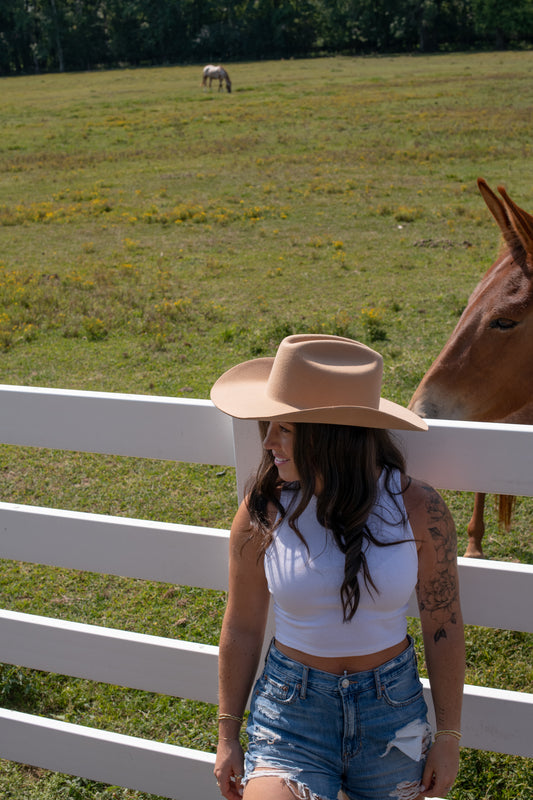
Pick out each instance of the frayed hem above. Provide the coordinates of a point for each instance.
(407, 790)
(300, 790)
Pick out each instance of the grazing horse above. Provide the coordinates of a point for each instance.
(484, 371)
(219, 74)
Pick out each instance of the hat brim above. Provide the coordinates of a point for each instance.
(241, 392)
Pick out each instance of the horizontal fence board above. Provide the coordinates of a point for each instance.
(496, 720)
(143, 426)
(472, 456)
(493, 719)
(462, 456)
(166, 552)
(135, 660)
(494, 593)
(163, 769)
(497, 594)
(465, 456)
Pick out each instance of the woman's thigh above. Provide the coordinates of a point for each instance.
(265, 788)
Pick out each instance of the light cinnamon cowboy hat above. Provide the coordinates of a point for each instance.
(313, 378)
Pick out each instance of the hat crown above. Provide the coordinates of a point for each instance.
(319, 371)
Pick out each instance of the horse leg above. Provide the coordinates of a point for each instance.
(476, 528)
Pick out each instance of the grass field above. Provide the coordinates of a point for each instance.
(154, 234)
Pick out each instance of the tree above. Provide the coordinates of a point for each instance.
(504, 22)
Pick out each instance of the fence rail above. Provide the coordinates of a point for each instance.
(465, 456)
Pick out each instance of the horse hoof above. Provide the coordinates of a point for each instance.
(473, 552)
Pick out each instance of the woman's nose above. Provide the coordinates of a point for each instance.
(267, 441)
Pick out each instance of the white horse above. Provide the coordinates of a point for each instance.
(219, 74)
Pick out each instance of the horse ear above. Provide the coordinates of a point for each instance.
(498, 211)
(521, 221)
(515, 224)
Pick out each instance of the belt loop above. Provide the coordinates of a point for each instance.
(377, 681)
(303, 688)
(269, 649)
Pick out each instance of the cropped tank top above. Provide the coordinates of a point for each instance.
(305, 582)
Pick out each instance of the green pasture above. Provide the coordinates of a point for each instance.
(153, 234)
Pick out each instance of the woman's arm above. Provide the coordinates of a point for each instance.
(442, 628)
(240, 646)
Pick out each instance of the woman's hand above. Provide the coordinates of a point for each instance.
(441, 768)
(229, 768)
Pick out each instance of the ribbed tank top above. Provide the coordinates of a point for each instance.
(305, 583)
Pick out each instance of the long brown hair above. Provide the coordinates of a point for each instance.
(345, 462)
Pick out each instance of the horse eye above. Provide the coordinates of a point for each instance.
(503, 324)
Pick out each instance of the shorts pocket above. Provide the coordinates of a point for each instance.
(277, 691)
(402, 689)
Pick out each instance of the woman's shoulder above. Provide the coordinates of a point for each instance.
(243, 528)
(424, 506)
(418, 493)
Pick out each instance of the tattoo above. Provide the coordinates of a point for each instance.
(440, 634)
(438, 595)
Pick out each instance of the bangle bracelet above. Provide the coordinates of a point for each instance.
(228, 738)
(230, 716)
(456, 734)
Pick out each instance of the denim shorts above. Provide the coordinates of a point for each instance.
(366, 733)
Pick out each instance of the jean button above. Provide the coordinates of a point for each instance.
(345, 683)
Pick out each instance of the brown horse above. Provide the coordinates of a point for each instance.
(484, 372)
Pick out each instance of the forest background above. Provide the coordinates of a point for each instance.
(64, 35)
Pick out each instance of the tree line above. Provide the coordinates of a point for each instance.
(63, 35)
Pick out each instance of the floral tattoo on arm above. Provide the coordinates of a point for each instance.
(438, 595)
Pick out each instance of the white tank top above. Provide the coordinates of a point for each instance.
(305, 584)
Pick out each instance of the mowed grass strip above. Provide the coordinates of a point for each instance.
(154, 234)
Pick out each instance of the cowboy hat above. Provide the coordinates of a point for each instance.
(313, 378)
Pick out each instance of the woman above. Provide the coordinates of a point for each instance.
(336, 532)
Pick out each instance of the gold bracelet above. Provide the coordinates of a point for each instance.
(456, 734)
(230, 716)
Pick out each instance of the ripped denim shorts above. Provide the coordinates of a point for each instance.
(366, 734)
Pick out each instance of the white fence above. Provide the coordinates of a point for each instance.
(462, 456)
